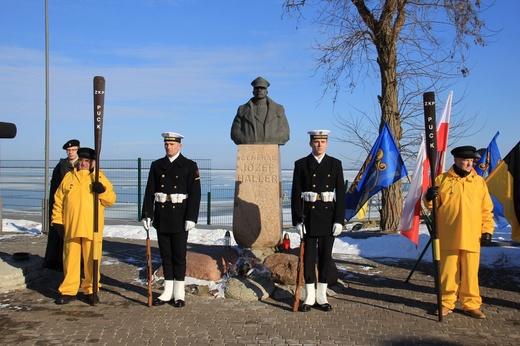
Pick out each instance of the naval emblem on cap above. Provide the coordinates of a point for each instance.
(71, 143)
(319, 134)
(172, 137)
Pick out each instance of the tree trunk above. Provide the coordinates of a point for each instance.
(392, 197)
(391, 207)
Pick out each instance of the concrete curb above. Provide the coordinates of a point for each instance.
(19, 274)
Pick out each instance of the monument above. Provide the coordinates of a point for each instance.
(259, 128)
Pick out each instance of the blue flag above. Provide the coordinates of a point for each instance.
(383, 167)
(488, 161)
(490, 158)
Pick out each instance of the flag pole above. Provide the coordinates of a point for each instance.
(431, 152)
(428, 223)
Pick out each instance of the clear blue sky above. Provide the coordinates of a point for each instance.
(186, 65)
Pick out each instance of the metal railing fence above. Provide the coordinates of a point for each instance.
(22, 190)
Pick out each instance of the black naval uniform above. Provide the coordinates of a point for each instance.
(178, 177)
(309, 175)
(54, 251)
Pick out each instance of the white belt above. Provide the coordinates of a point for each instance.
(174, 197)
(310, 196)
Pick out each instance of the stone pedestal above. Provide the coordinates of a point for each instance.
(257, 212)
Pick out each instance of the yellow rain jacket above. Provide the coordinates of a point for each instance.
(74, 204)
(464, 211)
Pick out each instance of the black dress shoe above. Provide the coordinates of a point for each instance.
(89, 298)
(304, 308)
(158, 302)
(64, 299)
(179, 303)
(324, 307)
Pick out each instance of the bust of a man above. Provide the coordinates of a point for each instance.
(260, 120)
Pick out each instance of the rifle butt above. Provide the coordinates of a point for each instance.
(299, 279)
(149, 270)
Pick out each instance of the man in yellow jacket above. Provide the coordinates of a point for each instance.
(73, 215)
(464, 223)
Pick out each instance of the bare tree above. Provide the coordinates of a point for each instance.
(411, 46)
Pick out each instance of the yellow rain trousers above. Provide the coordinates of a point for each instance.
(464, 213)
(74, 209)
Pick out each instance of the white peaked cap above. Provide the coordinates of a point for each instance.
(172, 136)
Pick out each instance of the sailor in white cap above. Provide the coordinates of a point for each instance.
(318, 212)
(171, 201)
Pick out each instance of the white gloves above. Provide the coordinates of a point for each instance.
(300, 228)
(188, 225)
(337, 228)
(146, 223)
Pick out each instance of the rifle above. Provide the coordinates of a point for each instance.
(299, 279)
(149, 267)
(299, 271)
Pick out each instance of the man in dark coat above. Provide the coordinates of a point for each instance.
(318, 209)
(172, 201)
(54, 251)
(260, 120)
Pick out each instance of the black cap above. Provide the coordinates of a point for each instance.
(71, 143)
(465, 152)
(87, 153)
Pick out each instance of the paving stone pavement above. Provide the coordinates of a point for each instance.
(374, 307)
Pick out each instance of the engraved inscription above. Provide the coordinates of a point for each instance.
(256, 169)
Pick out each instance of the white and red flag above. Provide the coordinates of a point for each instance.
(409, 225)
(443, 127)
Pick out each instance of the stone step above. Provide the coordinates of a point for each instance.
(16, 275)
